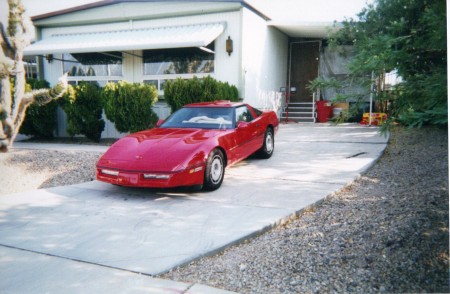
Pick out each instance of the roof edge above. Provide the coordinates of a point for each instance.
(256, 11)
(75, 9)
(112, 2)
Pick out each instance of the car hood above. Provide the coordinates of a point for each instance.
(158, 150)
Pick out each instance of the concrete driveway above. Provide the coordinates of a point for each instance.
(95, 237)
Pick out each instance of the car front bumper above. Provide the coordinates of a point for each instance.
(188, 177)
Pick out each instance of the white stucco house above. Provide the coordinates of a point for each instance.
(141, 41)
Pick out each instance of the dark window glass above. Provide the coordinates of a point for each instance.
(178, 61)
(243, 114)
(152, 82)
(93, 64)
(257, 111)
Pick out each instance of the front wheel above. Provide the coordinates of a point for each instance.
(268, 146)
(215, 170)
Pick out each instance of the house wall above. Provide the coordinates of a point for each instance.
(264, 62)
(257, 66)
(227, 68)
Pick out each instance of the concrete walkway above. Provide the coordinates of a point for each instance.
(95, 237)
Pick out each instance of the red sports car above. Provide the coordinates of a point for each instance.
(191, 147)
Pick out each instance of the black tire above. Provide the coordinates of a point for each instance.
(215, 170)
(268, 146)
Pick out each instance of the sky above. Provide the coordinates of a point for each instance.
(309, 10)
(292, 10)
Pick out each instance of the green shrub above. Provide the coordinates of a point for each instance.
(180, 92)
(40, 120)
(38, 84)
(129, 106)
(84, 108)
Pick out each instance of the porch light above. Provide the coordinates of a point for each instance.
(49, 58)
(292, 90)
(229, 46)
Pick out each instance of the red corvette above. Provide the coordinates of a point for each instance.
(191, 147)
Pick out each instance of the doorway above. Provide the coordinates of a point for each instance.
(303, 68)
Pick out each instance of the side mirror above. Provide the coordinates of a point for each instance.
(242, 125)
(159, 123)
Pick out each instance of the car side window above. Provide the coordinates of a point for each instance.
(243, 114)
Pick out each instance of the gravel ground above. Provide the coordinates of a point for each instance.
(23, 170)
(386, 232)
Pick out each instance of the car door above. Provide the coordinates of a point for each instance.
(247, 132)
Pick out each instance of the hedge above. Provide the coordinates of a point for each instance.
(40, 120)
(129, 106)
(180, 92)
(84, 108)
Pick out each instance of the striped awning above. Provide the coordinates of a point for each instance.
(196, 35)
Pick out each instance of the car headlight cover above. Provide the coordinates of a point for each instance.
(110, 172)
(156, 176)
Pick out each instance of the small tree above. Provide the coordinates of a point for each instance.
(84, 108)
(40, 120)
(14, 101)
(129, 106)
(409, 37)
(180, 92)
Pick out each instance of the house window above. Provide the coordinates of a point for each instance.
(93, 67)
(178, 61)
(161, 65)
(30, 67)
(100, 83)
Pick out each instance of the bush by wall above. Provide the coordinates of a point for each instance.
(180, 92)
(129, 106)
(40, 120)
(84, 108)
(38, 84)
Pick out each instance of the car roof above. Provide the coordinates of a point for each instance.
(219, 103)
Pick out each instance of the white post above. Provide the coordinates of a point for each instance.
(371, 99)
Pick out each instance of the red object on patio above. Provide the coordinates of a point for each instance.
(324, 111)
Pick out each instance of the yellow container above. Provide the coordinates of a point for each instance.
(377, 118)
(341, 105)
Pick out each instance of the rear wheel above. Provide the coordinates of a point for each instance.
(215, 170)
(268, 146)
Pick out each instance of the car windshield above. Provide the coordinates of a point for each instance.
(201, 117)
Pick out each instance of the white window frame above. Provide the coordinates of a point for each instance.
(160, 78)
(106, 79)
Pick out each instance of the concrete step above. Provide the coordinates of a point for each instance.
(298, 119)
(299, 116)
(300, 108)
(302, 105)
(299, 112)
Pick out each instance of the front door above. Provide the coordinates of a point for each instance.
(304, 68)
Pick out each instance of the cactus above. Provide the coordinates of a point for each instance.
(13, 100)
